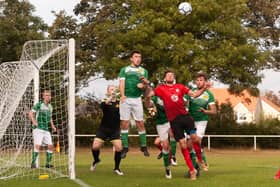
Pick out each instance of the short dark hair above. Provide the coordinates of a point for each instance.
(201, 74)
(134, 52)
(169, 71)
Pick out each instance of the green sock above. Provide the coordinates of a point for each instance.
(203, 156)
(124, 137)
(34, 157)
(193, 157)
(165, 158)
(173, 147)
(143, 139)
(49, 157)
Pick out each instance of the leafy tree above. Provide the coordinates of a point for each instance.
(213, 39)
(64, 26)
(17, 25)
(263, 16)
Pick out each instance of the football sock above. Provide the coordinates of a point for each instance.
(124, 137)
(193, 157)
(187, 158)
(173, 146)
(49, 157)
(159, 146)
(117, 159)
(34, 157)
(197, 149)
(95, 154)
(165, 155)
(203, 156)
(143, 138)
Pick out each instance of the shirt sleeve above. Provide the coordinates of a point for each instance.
(186, 89)
(146, 74)
(36, 107)
(157, 91)
(122, 74)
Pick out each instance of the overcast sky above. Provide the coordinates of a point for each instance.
(98, 87)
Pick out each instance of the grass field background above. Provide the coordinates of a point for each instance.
(228, 168)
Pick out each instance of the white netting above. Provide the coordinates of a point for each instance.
(49, 58)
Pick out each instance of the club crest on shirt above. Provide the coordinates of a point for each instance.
(174, 98)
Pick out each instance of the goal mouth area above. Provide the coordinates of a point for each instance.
(44, 65)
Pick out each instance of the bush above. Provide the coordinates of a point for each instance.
(86, 126)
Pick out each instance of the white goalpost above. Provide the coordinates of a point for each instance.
(44, 65)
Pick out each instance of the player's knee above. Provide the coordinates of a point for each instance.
(50, 147)
(140, 125)
(195, 138)
(118, 148)
(183, 143)
(124, 124)
(165, 145)
(36, 148)
(96, 145)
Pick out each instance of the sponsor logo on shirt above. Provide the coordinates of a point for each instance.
(174, 98)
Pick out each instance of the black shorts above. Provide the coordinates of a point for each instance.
(182, 124)
(108, 134)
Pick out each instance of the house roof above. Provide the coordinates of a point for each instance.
(222, 95)
(271, 103)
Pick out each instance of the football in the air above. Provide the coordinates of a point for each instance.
(185, 8)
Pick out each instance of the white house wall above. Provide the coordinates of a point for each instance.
(269, 112)
(243, 115)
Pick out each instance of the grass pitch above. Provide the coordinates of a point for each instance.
(228, 168)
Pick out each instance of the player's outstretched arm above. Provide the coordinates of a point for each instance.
(200, 91)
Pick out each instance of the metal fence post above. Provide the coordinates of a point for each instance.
(208, 142)
(255, 143)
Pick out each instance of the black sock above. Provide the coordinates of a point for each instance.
(117, 159)
(95, 154)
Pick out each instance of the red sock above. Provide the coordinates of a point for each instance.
(187, 158)
(159, 146)
(197, 149)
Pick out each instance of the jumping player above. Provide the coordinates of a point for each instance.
(109, 129)
(132, 78)
(172, 95)
(199, 108)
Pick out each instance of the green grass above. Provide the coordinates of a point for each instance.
(228, 168)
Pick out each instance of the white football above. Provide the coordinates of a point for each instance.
(185, 8)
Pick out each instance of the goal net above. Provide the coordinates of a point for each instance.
(44, 65)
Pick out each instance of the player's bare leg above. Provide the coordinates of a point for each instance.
(157, 143)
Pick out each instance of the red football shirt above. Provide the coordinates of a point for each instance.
(172, 96)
